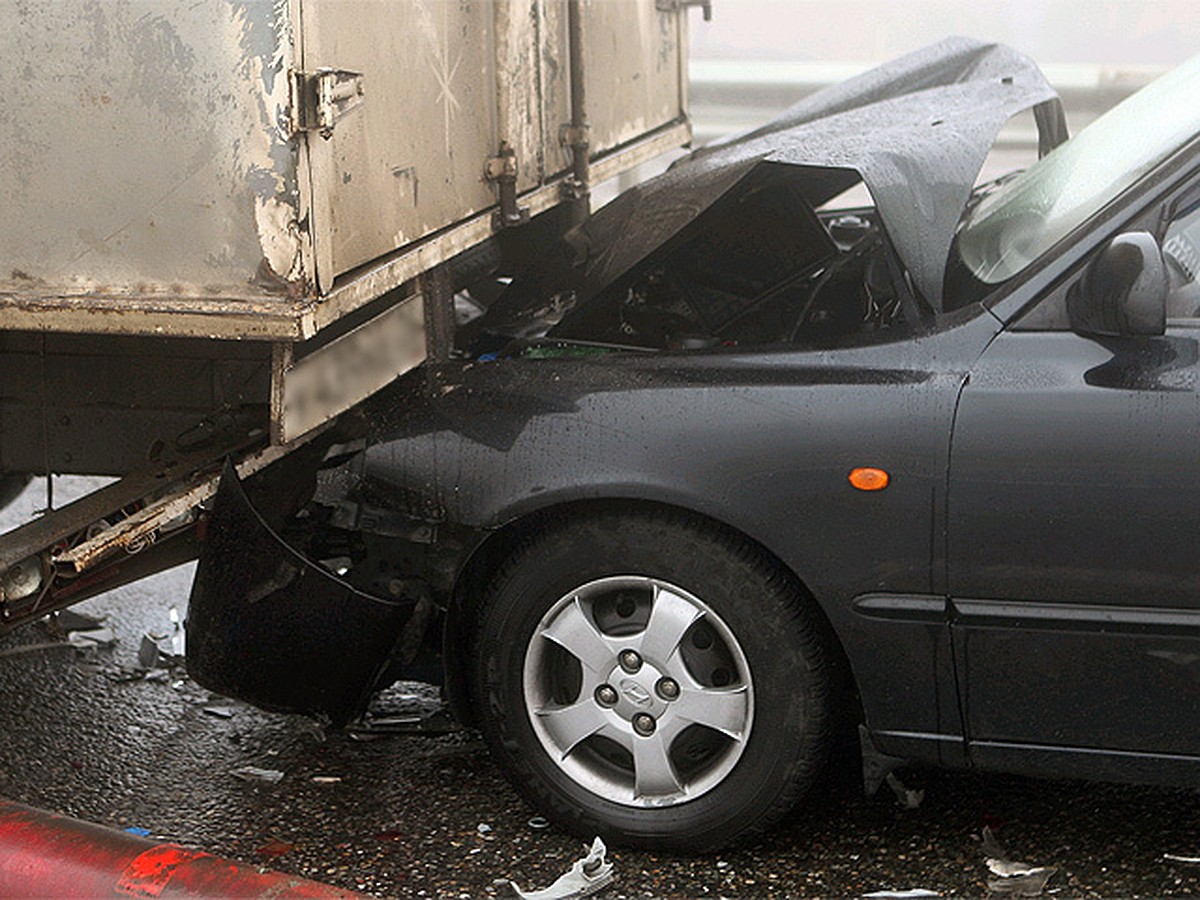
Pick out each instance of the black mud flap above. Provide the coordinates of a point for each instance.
(277, 630)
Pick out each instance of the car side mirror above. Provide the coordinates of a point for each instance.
(1123, 290)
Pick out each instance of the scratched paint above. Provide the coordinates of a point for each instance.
(147, 148)
(146, 155)
(268, 158)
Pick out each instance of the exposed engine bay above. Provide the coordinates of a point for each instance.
(759, 268)
(730, 297)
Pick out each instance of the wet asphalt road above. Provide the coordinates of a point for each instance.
(401, 816)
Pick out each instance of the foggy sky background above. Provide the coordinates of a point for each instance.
(1094, 32)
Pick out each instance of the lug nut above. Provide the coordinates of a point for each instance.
(630, 661)
(643, 724)
(606, 695)
(668, 688)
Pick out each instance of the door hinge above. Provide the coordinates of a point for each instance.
(501, 170)
(677, 5)
(321, 98)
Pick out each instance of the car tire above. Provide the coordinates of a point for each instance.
(705, 736)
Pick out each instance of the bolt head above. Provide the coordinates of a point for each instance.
(630, 661)
(606, 695)
(668, 688)
(644, 724)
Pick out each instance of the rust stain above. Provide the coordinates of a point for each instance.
(89, 97)
(270, 280)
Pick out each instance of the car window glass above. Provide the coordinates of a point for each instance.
(1019, 221)
(1181, 249)
(1180, 241)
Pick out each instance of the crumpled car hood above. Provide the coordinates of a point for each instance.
(916, 130)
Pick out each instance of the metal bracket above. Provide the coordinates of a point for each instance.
(321, 98)
(876, 766)
(570, 135)
(573, 189)
(677, 5)
(501, 170)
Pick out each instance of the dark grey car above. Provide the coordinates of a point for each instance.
(758, 472)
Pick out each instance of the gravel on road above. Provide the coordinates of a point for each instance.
(404, 816)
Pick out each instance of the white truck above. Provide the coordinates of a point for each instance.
(227, 223)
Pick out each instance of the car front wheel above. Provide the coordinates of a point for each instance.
(653, 679)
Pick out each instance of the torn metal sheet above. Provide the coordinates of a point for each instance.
(916, 130)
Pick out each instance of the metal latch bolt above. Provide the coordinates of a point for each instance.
(322, 97)
(502, 171)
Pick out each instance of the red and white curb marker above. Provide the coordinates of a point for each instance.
(47, 855)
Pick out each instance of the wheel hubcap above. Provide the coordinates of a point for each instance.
(638, 691)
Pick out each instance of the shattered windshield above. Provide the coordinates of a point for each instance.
(1025, 216)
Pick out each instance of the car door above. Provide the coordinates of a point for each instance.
(1072, 528)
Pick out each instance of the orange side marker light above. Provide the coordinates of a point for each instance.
(869, 479)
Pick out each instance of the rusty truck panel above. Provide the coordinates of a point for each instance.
(228, 222)
(145, 153)
(257, 169)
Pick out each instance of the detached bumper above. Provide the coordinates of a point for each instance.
(268, 626)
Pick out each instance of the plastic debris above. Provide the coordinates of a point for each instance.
(909, 799)
(152, 654)
(178, 635)
(219, 712)
(327, 779)
(483, 828)
(1017, 878)
(125, 674)
(903, 895)
(588, 875)
(69, 620)
(539, 823)
(1031, 885)
(255, 774)
(275, 849)
(148, 653)
(316, 730)
(1193, 860)
(96, 637)
(140, 832)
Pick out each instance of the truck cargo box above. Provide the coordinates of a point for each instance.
(265, 171)
(223, 168)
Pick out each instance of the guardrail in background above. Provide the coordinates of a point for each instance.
(728, 96)
(732, 95)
